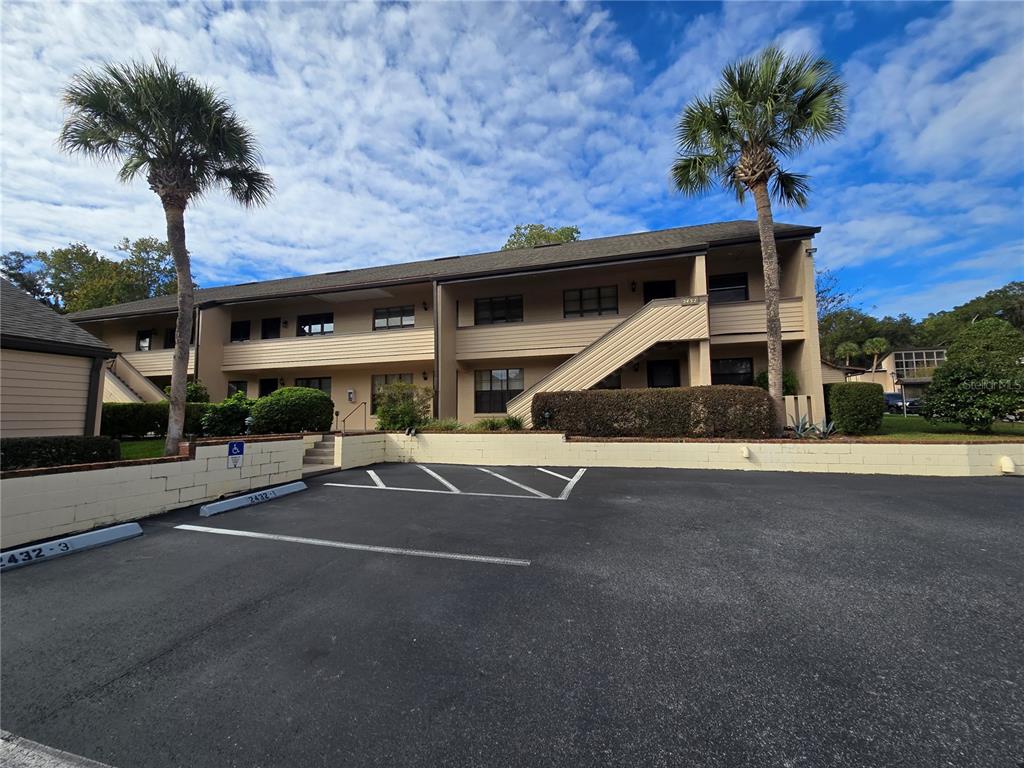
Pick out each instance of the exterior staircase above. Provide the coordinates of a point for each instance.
(122, 383)
(680, 319)
(321, 453)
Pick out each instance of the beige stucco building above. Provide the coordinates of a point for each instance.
(674, 307)
(51, 371)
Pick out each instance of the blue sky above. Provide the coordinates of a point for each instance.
(400, 132)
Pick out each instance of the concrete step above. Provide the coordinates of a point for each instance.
(320, 452)
(318, 460)
(324, 444)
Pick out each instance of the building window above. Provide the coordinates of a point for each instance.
(270, 328)
(498, 309)
(144, 341)
(611, 381)
(493, 389)
(234, 387)
(918, 363)
(723, 288)
(267, 386)
(316, 325)
(323, 383)
(733, 370)
(378, 380)
(583, 302)
(389, 318)
(240, 330)
(169, 334)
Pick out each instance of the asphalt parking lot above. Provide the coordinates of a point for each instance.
(539, 617)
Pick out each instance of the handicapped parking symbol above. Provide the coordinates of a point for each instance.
(236, 448)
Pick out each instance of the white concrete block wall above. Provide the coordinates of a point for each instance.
(533, 449)
(43, 506)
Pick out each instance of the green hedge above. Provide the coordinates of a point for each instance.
(293, 409)
(227, 417)
(26, 452)
(856, 407)
(140, 419)
(790, 382)
(721, 411)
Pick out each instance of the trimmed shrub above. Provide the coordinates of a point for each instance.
(790, 382)
(141, 419)
(195, 392)
(27, 452)
(857, 407)
(227, 417)
(720, 411)
(293, 409)
(826, 389)
(401, 406)
(134, 419)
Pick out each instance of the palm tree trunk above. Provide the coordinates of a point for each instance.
(770, 264)
(175, 215)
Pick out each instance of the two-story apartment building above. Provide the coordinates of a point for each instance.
(674, 307)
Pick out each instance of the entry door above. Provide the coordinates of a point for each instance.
(659, 289)
(662, 373)
(267, 386)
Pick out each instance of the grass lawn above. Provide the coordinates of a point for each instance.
(142, 449)
(917, 429)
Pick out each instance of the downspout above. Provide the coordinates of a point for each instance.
(196, 318)
(437, 336)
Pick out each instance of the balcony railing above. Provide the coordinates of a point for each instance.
(748, 317)
(157, 362)
(334, 349)
(559, 337)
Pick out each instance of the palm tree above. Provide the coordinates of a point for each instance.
(765, 110)
(185, 139)
(847, 350)
(875, 347)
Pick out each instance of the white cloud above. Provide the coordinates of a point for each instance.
(412, 131)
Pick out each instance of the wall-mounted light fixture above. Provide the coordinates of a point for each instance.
(424, 375)
(284, 323)
(632, 286)
(636, 366)
(425, 307)
(811, 251)
(281, 382)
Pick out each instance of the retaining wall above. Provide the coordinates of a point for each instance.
(549, 449)
(39, 504)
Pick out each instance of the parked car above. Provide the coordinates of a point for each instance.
(894, 403)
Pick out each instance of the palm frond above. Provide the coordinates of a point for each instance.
(790, 188)
(157, 120)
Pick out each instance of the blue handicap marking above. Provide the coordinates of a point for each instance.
(236, 448)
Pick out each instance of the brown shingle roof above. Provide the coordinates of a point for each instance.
(693, 238)
(25, 319)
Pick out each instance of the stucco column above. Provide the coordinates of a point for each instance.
(810, 350)
(446, 371)
(214, 333)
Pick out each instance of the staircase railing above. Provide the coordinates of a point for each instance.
(349, 415)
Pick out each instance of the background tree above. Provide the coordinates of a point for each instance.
(939, 329)
(76, 277)
(875, 347)
(982, 379)
(829, 294)
(847, 350)
(530, 235)
(18, 268)
(766, 109)
(184, 139)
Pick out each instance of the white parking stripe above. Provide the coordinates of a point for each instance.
(376, 480)
(440, 479)
(443, 493)
(359, 547)
(572, 484)
(534, 491)
(553, 474)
